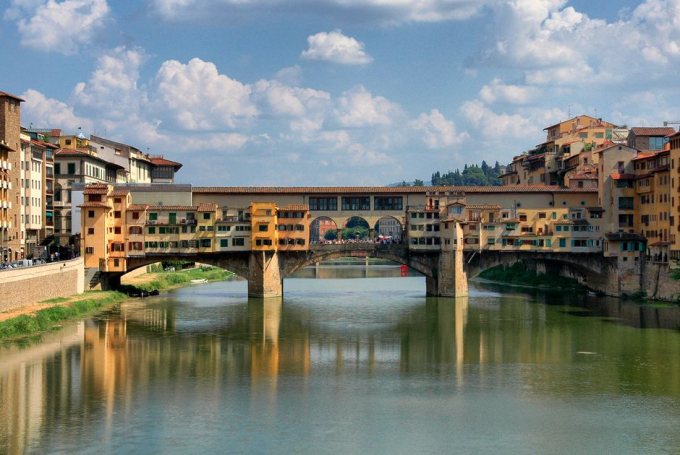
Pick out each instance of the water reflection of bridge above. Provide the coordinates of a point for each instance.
(152, 348)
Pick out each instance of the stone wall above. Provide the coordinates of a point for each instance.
(29, 285)
(659, 283)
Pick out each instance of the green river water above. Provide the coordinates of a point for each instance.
(353, 359)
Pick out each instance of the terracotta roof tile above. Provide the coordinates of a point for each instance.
(624, 176)
(100, 205)
(584, 177)
(652, 130)
(207, 207)
(160, 208)
(390, 189)
(293, 207)
(484, 206)
(160, 161)
(137, 207)
(119, 193)
(7, 95)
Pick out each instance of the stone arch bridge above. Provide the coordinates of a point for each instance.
(446, 272)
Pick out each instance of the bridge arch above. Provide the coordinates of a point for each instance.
(389, 226)
(232, 262)
(590, 269)
(423, 263)
(319, 226)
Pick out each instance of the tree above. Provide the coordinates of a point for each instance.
(418, 182)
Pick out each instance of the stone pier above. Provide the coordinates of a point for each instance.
(265, 278)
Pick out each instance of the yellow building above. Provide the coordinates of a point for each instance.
(264, 235)
(293, 223)
(654, 202)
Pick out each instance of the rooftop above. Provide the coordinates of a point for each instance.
(389, 189)
(7, 95)
(652, 130)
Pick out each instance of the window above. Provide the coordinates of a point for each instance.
(263, 228)
(206, 215)
(563, 243)
(90, 231)
(89, 250)
(522, 217)
(387, 203)
(153, 216)
(239, 241)
(223, 228)
(299, 227)
(656, 143)
(323, 203)
(90, 213)
(224, 243)
(116, 214)
(71, 168)
(626, 203)
(135, 215)
(117, 200)
(205, 243)
(356, 203)
(116, 230)
(152, 230)
(57, 168)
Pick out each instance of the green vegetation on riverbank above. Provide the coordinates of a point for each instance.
(164, 281)
(67, 308)
(518, 274)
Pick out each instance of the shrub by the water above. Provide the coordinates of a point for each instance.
(517, 273)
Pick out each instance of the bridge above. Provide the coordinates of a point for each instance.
(446, 233)
(446, 272)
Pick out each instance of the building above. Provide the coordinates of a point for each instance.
(76, 166)
(10, 143)
(163, 170)
(134, 167)
(616, 187)
(654, 202)
(649, 138)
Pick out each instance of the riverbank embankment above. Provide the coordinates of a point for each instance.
(47, 314)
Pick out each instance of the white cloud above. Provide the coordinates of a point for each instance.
(357, 108)
(337, 48)
(281, 99)
(554, 44)
(112, 87)
(50, 113)
(498, 91)
(496, 126)
(197, 97)
(438, 131)
(58, 26)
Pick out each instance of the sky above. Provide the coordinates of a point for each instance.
(337, 92)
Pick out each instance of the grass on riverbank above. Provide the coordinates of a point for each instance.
(164, 281)
(518, 274)
(67, 308)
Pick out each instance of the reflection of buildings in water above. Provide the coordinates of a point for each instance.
(272, 354)
(32, 390)
(104, 362)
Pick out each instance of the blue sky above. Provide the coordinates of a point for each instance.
(337, 92)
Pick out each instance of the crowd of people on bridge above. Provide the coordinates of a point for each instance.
(384, 241)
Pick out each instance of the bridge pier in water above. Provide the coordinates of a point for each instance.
(265, 277)
(449, 278)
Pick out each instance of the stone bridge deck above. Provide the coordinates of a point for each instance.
(446, 272)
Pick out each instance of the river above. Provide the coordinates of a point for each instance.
(354, 359)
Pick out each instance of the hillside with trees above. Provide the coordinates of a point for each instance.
(473, 175)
